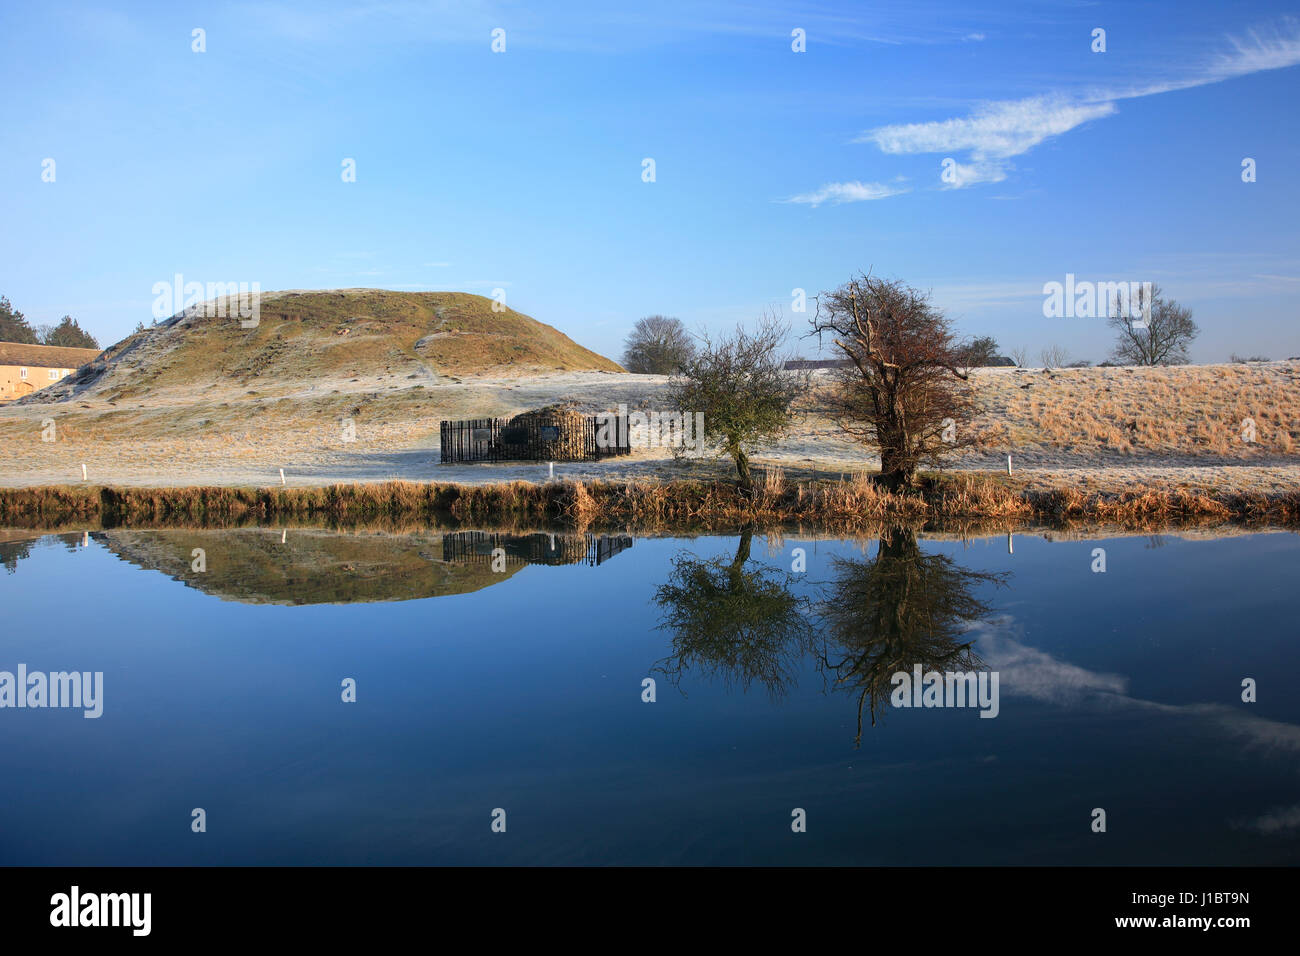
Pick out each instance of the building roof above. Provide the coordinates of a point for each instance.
(44, 356)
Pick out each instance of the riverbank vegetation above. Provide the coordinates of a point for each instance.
(831, 505)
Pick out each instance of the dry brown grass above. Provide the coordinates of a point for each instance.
(1187, 410)
(831, 505)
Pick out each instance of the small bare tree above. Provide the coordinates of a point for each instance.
(1168, 330)
(905, 390)
(1020, 356)
(740, 385)
(1054, 357)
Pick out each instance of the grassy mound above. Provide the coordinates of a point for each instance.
(323, 339)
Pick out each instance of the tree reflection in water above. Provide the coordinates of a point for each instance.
(899, 609)
(735, 620)
(743, 623)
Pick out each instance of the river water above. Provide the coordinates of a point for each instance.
(316, 697)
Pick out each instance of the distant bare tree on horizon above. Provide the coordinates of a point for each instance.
(1169, 331)
(1054, 357)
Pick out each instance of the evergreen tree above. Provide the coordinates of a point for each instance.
(69, 334)
(13, 325)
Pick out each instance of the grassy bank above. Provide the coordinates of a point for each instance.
(834, 505)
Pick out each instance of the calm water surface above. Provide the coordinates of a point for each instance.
(522, 689)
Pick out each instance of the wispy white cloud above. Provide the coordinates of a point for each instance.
(995, 131)
(960, 175)
(1029, 672)
(1275, 47)
(1285, 820)
(992, 131)
(837, 193)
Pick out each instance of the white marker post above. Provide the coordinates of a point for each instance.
(1010, 548)
(551, 465)
(282, 476)
(83, 471)
(1008, 464)
(284, 534)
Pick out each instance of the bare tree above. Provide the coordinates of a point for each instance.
(741, 387)
(1054, 357)
(1168, 330)
(657, 345)
(1020, 356)
(905, 390)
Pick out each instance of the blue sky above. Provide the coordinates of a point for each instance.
(775, 170)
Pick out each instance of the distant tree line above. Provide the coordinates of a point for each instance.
(14, 327)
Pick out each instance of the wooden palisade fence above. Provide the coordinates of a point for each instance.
(533, 436)
(476, 547)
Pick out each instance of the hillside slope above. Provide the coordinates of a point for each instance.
(308, 341)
